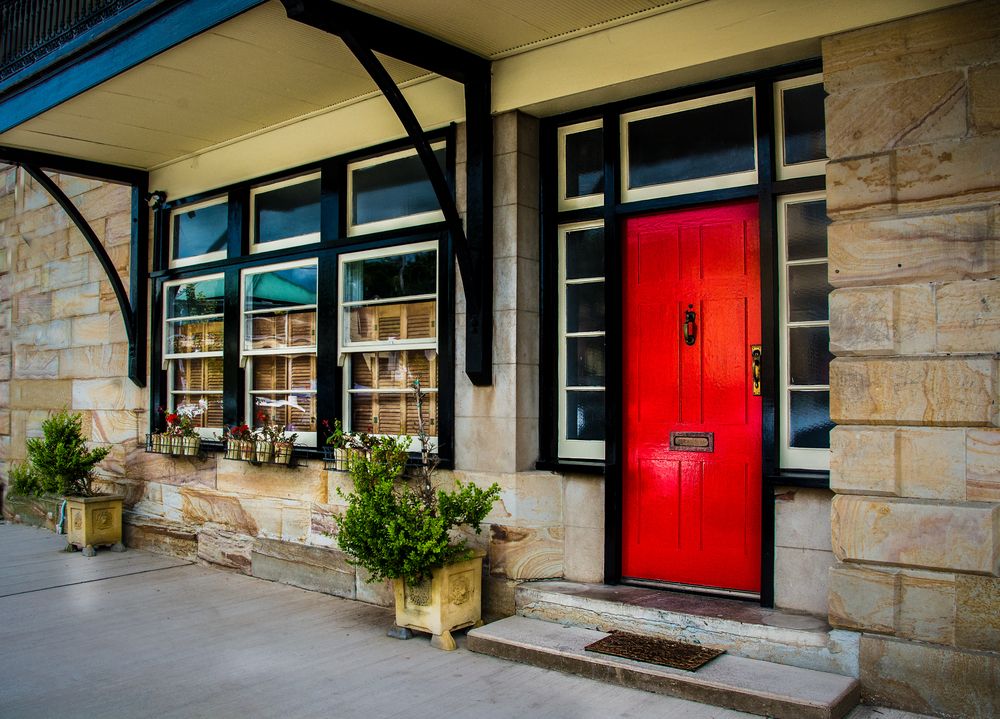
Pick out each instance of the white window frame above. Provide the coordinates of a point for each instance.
(575, 448)
(794, 457)
(307, 439)
(197, 259)
(206, 433)
(421, 218)
(700, 184)
(574, 203)
(285, 243)
(346, 349)
(798, 169)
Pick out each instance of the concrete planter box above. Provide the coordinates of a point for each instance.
(451, 599)
(94, 521)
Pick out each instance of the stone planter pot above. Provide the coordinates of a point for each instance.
(262, 451)
(189, 446)
(94, 521)
(282, 452)
(451, 599)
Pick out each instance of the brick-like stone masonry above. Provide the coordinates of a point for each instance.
(913, 185)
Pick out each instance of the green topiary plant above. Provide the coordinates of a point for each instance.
(60, 460)
(400, 528)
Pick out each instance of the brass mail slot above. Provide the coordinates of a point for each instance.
(692, 441)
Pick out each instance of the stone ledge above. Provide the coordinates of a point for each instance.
(160, 535)
(313, 568)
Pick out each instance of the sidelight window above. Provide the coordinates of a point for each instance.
(581, 345)
(804, 401)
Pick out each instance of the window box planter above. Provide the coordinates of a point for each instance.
(451, 599)
(336, 459)
(260, 452)
(239, 449)
(172, 444)
(94, 521)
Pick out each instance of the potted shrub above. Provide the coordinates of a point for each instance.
(60, 463)
(400, 527)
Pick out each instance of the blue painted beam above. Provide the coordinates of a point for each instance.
(165, 27)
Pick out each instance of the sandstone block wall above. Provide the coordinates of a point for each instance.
(914, 194)
(62, 345)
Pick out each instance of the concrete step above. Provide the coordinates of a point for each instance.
(729, 681)
(742, 628)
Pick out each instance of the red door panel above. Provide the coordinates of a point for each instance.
(692, 517)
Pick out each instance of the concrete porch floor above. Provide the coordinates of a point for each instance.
(139, 634)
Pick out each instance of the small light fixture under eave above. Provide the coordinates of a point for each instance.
(156, 198)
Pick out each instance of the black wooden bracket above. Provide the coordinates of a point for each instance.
(133, 311)
(365, 35)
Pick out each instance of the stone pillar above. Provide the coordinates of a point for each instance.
(496, 427)
(913, 135)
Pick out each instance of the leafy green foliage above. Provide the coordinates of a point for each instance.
(60, 460)
(22, 481)
(394, 529)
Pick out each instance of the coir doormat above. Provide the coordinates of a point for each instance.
(654, 650)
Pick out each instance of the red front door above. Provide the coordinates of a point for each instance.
(692, 315)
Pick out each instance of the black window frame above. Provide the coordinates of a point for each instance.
(612, 211)
(334, 241)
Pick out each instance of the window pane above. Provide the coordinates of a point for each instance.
(585, 253)
(200, 231)
(585, 163)
(281, 330)
(702, 142)
(393, 412)
(285, 372)
(396, 188)
(810, 420)
(376, 278)
(197, 374)
(585, 415)
(805, 229)
(281, 288)
(390, 323)
(585, 307)
(193, 299)
(187, 336)
(808, 292)
(804, 122)
(294, 411)
(584, 361)
(809, 355)
(393, 370)
(291, 211)
(210, 418)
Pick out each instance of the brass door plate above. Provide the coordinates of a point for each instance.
(692, 441)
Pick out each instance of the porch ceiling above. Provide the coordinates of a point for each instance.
(260, 69)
